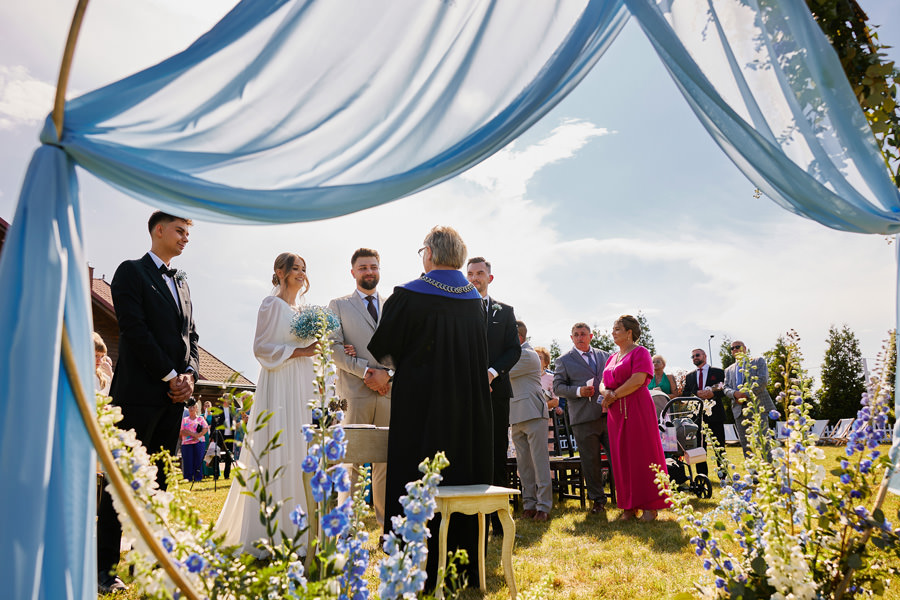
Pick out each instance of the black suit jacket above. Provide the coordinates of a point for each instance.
(155, 337)
(504, 348)
(714, 377)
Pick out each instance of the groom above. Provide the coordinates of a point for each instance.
(362, 381)
(157, 365)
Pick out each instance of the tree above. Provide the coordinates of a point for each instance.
(890, 362)
(725, 352)
(554, 353)
(646, 337)
(602, 340)
(786, 351)
(842, 375)
(874, 81)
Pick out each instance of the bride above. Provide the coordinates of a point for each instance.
(284, 388)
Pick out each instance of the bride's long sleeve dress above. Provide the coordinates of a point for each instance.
(284, 388)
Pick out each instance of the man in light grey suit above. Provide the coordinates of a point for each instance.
(574, 370)
(754, 372)
(362, 381)
(528, 416)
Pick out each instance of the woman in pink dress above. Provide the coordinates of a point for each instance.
(633, 432)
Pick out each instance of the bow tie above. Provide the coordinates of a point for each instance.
(170, 272)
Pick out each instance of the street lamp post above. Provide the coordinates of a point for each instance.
(709, 347)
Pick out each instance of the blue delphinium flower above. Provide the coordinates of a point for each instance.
(774, 415)
(167, 544)
(340, 479)
(195, 563)
(309, 434)
(335, 522)
(334, 450)
(309, 464)
(298, 517)
(321, 485)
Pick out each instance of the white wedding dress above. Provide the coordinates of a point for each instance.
(284, 388)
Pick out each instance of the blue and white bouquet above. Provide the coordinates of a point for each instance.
(306, 323)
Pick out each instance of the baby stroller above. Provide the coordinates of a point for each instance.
(680, 424)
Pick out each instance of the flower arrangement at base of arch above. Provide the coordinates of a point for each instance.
(785, 530)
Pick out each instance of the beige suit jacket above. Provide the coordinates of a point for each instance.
(357, 327)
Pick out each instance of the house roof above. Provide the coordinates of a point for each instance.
(211, 368)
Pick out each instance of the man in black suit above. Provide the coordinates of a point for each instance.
(157, 365)
(707, 383)
(223, 427)
(504, 351)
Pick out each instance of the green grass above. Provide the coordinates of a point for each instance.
(584, 556)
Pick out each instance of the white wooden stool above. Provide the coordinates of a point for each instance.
(477, 499)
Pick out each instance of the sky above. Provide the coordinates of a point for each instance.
(617, 201)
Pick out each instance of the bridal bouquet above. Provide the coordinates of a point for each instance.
(306, 323)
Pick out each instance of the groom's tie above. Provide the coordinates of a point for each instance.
(371, 307)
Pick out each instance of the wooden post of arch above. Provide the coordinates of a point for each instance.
(122, 489)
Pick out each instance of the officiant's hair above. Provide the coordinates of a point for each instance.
(364, 253)
(447, 247)
(285, 261)
(630, 324)
(160, 217)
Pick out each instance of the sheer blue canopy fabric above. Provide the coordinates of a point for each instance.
(766, 84)
(303, 110)
(296, 111)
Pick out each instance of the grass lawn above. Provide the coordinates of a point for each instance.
(584, 556)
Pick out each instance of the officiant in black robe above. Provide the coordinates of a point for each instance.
(432, 331)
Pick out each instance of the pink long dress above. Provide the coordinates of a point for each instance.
(634, 441)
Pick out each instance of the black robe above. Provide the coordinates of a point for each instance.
(440, 400)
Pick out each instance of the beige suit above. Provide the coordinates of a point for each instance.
(363, 405)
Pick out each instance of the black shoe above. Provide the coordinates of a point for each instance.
(107, 584)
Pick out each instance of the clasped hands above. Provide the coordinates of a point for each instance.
(181, 387)
(376, 380)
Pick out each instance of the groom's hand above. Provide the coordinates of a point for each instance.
(181, 387)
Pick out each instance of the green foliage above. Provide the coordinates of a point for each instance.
(602, 340)
(842, 375)
(646, 337)
(725, 352)
(785, 364)
(554, 353)
(891, 367)
(873, 79)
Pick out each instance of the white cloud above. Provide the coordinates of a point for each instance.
(24, 100)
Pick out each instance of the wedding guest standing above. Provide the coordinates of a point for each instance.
(528, 422)
(554, 402)
(577, 379)
(102, 365)
(432, 332)
(753, 372)
(665, 382)
(362, 381)
(157, 366)
(284, 387)
(707, 383)
(193, 431)
(503, 352)
(633, 432)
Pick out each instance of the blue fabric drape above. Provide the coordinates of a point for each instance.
(47, 463)
(766, 84)
(284, 111)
